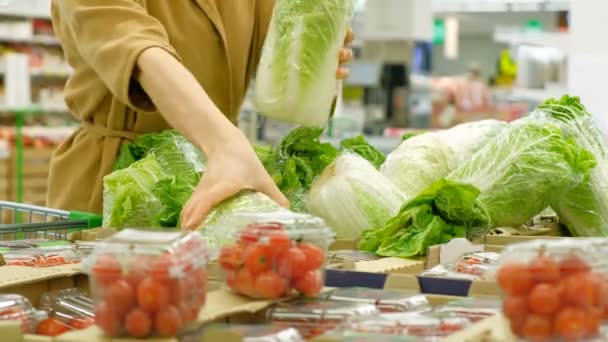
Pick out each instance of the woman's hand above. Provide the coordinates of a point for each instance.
(345, 56)
(231, 167)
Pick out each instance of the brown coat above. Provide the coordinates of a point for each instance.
(219, 41)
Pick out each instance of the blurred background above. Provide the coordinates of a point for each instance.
(419, 65)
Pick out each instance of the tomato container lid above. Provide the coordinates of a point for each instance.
(14, 306)
(320, 310)
(123, 247)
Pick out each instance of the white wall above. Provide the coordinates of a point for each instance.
(588, 67)
(479, 48)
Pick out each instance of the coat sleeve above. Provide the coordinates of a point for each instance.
(109, 35)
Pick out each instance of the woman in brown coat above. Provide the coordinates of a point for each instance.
(143, 66)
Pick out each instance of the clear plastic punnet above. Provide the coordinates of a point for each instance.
(296, 80)
(42, 256)
(18, 308)
(148, 283)
(384, 300)
(424, 327)
(71, 307)
(555, 289)
(275, 255)
(316, 317)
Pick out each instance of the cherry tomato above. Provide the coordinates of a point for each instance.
(120, 296)
(279, 242)
(189, 312)
(582, 290)
(152, 295)
(252, 233)
(244, 283)
(517, 325)
(594, 321)
(544, 299)
(178, 291)
(161, 266)
(537, 328)
(544, 269)
(514, 278)
(40, 261)
(571, 323)
(573, 264)
(270, 285)
(80, 323)
(231, 257)
(138, 323)
(107, 320)
(310, 284)
(257, 258)
(106, 270)
(168, 322)
(51, 327)
(515, 307)
(139, 269)
(291, 263)
(55, 260)
(314, 256)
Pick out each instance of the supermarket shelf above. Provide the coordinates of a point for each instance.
(41, 40)
(556, 40)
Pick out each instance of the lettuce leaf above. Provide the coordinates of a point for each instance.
(360, 146)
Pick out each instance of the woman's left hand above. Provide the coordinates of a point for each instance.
(345, 56)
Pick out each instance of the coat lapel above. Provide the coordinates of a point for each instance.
(209, 8)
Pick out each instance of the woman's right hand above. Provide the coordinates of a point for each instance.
(231, 167)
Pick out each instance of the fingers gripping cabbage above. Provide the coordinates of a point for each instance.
(296, 78)
(352, 196)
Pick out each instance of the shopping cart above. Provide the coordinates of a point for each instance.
(24, 221)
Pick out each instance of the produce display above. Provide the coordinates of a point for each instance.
(296, 80)
(148, 282)
(385, 300)
(352, 196)
(555, 288)
(473, 266)
(271, 260)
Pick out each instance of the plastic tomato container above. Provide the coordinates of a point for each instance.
(384, 300)
(148, 282)
(273, 257)
(474, 309)
(555, 289)
(422, 326)
(42, 256)
(479, 264)
(69, 309)
(18, 308)
(316, 317)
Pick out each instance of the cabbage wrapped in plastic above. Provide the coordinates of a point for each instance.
(352, 196)
(584, 209)
(423, 159)
(296, 79)
(128, 199)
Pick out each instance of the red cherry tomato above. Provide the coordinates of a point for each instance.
(544, 299)
(120, 296)
(279, 242)
(139, 269)
(168, 322)
(517, 325)
(244, 282)
(106, 270)
(315, 257)
(270, 285)
(51, 327)
(515, 307)
(544, 269)
(162, 265)
(573, 264)
(291, 263)
(55, 260)
(582, 290)
(514, 278)
(108, 320)
(152, 295)
(178, 291)
(310, 284)
(571, 323)
(81, 323)
(537, 328)
(231, 257)
(189, 312)
(138, 323)
(258, 258)
(594, 321)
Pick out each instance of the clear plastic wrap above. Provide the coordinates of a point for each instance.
(71, 307)
(18, 308)
(555, 289)
(296, 79)
(423, 159)
(42, 256)
(384, 300)
(313, 318)
(148, 282)
(276, 255)
(352, 196)
(256, 333)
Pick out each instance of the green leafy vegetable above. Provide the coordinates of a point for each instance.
(584, 209)
(296, 78)
(352, 196)
(363, 148)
